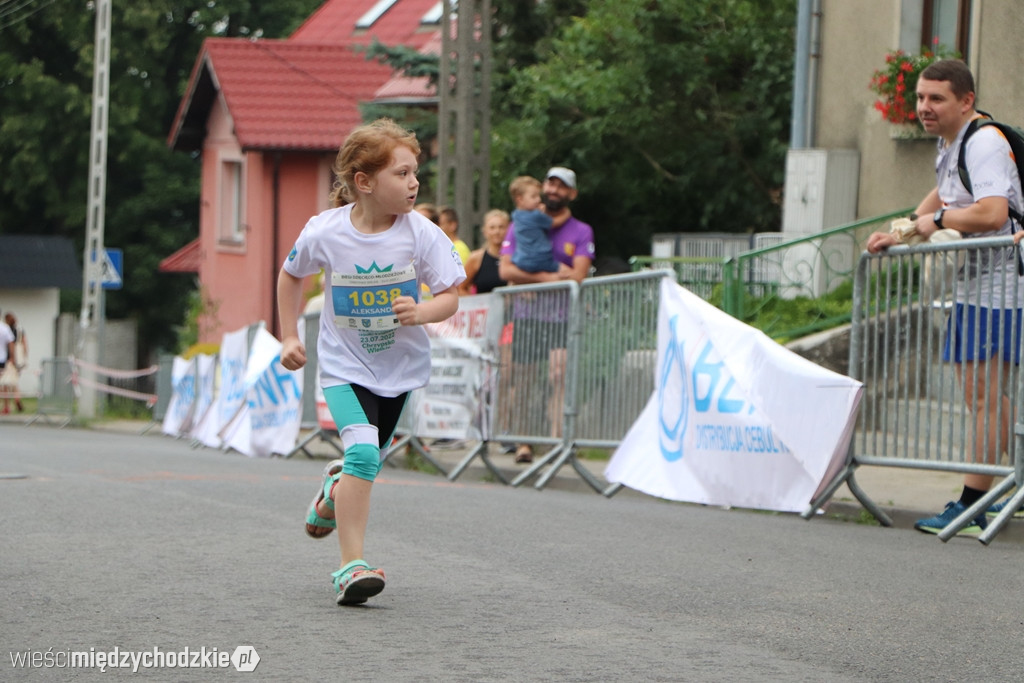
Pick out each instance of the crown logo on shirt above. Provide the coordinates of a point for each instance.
(374, 268)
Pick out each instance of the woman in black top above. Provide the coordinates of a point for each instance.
(482, 264)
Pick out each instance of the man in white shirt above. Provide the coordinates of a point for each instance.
(987, 319)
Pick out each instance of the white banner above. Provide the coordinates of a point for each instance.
(206, 376)
(461, 366)
(234, 351)
(736, 419)
(181, 409)
(271, 419)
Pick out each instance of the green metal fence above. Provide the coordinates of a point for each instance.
(787, 289)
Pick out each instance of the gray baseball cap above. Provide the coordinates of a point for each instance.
(566, 175)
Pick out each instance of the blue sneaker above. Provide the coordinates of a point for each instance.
(934, 525)
(998, 507)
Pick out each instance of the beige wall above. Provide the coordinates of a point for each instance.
(36, 311)
(855, 36)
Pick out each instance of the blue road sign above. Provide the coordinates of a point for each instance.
(112, 269)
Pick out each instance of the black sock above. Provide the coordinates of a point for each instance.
(971, 496)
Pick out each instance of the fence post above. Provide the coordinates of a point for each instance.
(732, 291)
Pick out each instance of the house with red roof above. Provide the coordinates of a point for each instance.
(267, 118)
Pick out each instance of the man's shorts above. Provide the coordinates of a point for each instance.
(979, 334)
(532, 340)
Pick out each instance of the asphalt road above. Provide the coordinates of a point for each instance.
(140, 543)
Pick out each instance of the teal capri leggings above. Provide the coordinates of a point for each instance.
(366, 423)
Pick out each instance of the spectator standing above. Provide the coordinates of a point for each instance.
(428, 210)
(448, 219)
(16, 361)
(8, 363)
(533, 227)
(572, 244)
(986, 318)
(482, 265)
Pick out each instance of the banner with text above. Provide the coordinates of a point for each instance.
(461, 368)
(220, 418)
(270, 420)
(735, 419)
(181, 409)
(206, 380)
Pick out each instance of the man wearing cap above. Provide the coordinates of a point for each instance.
(572, 240)
(542, 324)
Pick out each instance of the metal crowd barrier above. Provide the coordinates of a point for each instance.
(575, 368)
(56, 392)
(540, 332)
(310, 420)
(914, 412)
(613, 368)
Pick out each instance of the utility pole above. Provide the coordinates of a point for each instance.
(464, 116)
(93, 314)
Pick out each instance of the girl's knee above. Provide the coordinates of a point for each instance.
(362, 454)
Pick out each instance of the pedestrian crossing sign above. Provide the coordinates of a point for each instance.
(112, 269)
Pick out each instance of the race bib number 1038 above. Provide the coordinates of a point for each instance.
(363, 301)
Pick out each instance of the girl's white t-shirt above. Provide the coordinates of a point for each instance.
(360, 340)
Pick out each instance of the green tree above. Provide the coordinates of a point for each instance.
(675, 114)
(152, 193)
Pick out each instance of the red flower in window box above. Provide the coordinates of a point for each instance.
(896, 84)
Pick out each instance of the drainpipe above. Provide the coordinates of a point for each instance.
(275, 264)
(801, 66)
(805, 73)
(814, 62)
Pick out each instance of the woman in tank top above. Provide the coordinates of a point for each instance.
(482, 265)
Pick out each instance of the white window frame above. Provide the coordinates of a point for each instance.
(231, 225)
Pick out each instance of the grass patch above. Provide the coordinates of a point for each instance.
(593, 454)
(417, 463)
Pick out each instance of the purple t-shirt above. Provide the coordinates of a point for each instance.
(573, 238)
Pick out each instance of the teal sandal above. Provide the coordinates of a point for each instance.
(331, 474)
(356, 582)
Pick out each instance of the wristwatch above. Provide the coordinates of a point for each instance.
(937, 218)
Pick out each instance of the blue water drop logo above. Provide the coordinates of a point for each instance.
(673, 398)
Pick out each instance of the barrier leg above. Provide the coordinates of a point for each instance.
(611, 490)
(1000, 520)
(829, 491)
(865, 500)
(567, 454)
(301, 445)
(970, 513)
(586, 475)
(396, 444)
(479, 450)
(417, 445)
(537, 466)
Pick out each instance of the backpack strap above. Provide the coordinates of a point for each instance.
(1016, 220)
(961, 162)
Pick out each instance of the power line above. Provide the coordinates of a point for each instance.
(23, 17)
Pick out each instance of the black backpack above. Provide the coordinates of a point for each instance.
(1014, 136)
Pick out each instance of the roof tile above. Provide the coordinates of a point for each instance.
(302, 93)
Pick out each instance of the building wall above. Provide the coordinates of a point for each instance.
(997, 58)
(855, 36)
(240, 278)
(36, 311)
(304, 189)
